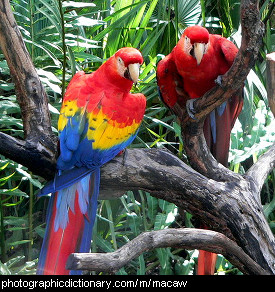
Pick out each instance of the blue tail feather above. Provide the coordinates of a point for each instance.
(69, 226)
(220, 110)
(90, 220)
(65, 179)
(44, 249)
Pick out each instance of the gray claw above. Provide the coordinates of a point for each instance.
(190, 108)
(218, 81)
(125, 155)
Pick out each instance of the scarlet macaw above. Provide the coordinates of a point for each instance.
(99, 117)
(193, 66)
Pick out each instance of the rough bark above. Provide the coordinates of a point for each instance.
(270, 80)
(178, 238)
(230, 207)
(40, 143)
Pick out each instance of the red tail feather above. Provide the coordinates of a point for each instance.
(206, 263)
(63, 242)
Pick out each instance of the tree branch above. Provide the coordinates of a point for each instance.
(270, 79)
(228, 207)
(186, 238)
(197, 151)
(30, 93)
(259, 171)
(233, 79)
(31, 154)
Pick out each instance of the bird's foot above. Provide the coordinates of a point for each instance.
(218, 81)
(190, 108)
(124, 155)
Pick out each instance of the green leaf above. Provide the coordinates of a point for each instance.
(152, 206)
(14, 192)
(4, 166)
(25, 174)
(103, 244)
(165, 261)
(15, 243)
(6, 86)
(4, 270)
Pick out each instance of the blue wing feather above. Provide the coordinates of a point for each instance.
(77, 180)
(220, 110)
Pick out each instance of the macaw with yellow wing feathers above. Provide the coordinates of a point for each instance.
(99, 117)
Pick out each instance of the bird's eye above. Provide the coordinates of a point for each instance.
(120, 60)
(192, 52)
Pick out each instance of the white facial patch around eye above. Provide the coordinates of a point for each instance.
(206, 47)
(120, 67)
(187, 46)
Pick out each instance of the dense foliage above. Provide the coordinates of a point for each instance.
(63, 37)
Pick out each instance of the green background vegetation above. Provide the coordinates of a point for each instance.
(63, 37)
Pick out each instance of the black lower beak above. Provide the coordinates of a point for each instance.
(127, 74)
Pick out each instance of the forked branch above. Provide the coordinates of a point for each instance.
(197, 151)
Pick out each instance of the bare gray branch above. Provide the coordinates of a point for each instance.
(179, 238)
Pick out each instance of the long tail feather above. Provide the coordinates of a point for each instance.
(70, 219)
(206, 263)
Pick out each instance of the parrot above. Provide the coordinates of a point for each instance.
(98, 119)
(194, 66)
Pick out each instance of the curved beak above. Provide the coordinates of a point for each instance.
(133, 71)
(199, 50)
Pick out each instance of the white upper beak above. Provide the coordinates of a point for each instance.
(199, 50)
(134, 72)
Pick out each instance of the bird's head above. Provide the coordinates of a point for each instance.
(128, 61)
(196, 40)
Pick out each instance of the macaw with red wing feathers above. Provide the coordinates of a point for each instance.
(99, 117)
(193, 66)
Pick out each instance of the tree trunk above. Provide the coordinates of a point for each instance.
(270, 80)
(38, 150)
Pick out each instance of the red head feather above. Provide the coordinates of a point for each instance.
(129, 56)
(115, 72)
(197, 34)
